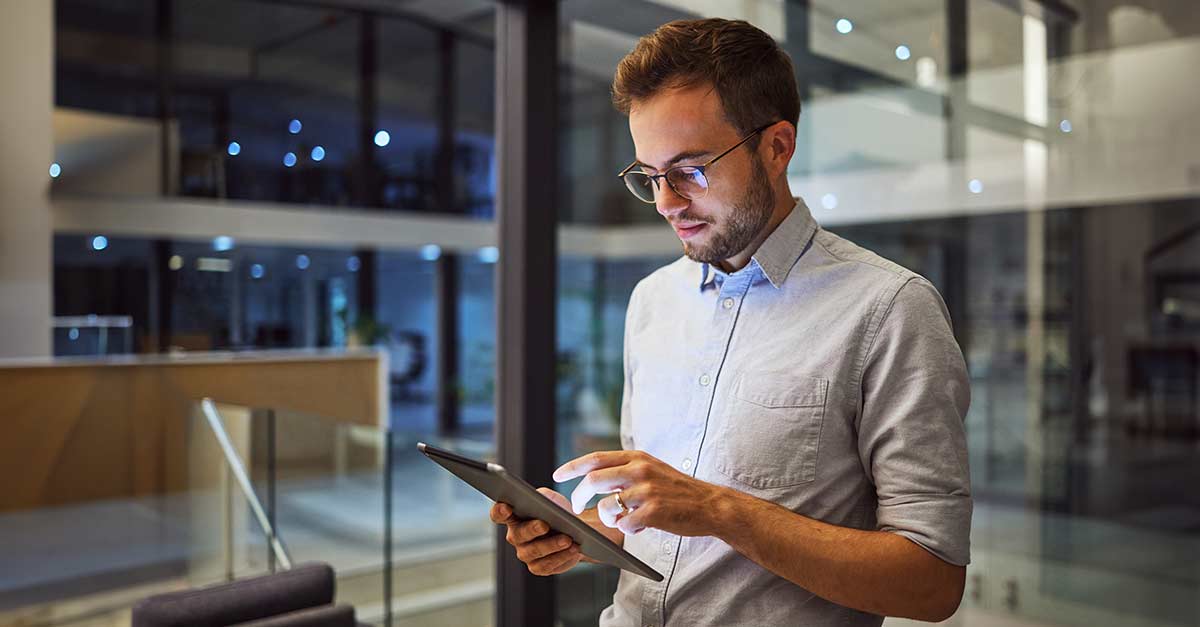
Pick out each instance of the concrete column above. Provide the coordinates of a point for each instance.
(26, 151)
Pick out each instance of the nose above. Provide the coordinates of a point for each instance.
(668, 202)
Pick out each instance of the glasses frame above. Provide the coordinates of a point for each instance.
(699, 168)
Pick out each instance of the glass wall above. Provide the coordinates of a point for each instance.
(1036, 161)
(282, 161)
(990, 147)
(333, 105)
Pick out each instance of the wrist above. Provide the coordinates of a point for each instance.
(727, 514)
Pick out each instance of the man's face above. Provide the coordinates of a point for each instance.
(686, 126)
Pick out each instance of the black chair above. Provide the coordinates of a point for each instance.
(298, 597)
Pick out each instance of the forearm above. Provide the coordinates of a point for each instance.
(872, 571)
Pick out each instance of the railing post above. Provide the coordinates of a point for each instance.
(271, 518)
(387, 527)
(235, 467)
(227, 531)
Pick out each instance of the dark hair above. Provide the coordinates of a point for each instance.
(752, 75)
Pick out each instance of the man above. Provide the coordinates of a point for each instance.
(792, 421)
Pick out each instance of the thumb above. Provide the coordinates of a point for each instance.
(558, 499)
(501, 513)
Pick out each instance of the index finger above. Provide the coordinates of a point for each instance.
(603, 481)
(583, 465)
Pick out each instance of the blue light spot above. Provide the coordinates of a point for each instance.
(302, 262)
(489, 254)
(234, 149)
(99, 242)
(289, 160)
(844, 26)
(222, 243)
(431, 252)
(318, 153)
(829, 201)
(976, 186)
(294, 127)
(1065, 126)
(55, 170)
(257, 271)
(353, 264)
(903, 53)
(73, 334)
(383, 138)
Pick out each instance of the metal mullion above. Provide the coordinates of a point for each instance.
(526, 276)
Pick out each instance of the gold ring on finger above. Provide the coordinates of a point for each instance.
(620, 503)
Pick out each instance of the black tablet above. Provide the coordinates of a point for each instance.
(497, 484)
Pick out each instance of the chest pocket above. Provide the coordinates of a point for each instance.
(772, 428)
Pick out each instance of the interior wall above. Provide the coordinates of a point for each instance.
(26, 146)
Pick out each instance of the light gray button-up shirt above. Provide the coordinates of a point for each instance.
(821, 377)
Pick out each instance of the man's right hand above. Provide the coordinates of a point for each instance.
(545, 553)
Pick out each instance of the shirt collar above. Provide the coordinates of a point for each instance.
(706, 277)
(779, 253)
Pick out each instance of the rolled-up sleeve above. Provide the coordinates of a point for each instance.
(912, 441)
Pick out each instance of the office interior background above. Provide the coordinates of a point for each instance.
(292, 206)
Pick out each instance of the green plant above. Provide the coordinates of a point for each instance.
(365, 329)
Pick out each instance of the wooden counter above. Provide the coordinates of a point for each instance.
(74, 430)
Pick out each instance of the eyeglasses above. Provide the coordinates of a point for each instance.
(688, 181)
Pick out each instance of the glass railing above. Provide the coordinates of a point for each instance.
(233, 473)
(412, 543)
(258, 490)
(407, 540)
(1050, 568)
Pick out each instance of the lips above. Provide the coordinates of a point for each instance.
(684, 230)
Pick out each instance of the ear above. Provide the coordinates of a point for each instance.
(777, 147)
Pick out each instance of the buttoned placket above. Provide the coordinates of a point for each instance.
(730, 294)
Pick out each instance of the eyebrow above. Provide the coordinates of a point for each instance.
(688, 154)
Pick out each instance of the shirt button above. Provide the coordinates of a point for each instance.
(666, 546)
(728, 304)
(704, 380)
(687, 464)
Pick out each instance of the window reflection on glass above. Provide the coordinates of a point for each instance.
(934, 136)
(950, 138)
(282, 102)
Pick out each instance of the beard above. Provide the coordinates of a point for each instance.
(749, 216)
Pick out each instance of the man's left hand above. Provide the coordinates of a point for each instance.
(655, 494)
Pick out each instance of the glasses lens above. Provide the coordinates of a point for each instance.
(640, 184)
(688, 182)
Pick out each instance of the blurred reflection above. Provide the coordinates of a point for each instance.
(278, 101)
(1030, 160)
(1036, 161)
